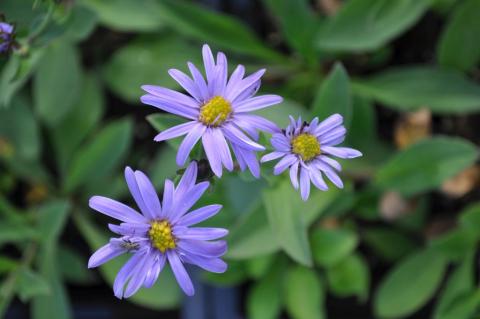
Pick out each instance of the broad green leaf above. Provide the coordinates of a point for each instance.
(15, 74)
(284, 210)
(388, 243)
(251, 229)
(363, 127)
(52, 218)
(31, 284)
(19, 128)
(362, 25)
(100, 157)
(470, 218)
(264, 300)
(455, 244)
(459, 46)
(426, 164)
(81, 23)
(165, 294)
(409, 88)
(7, 264)
(57, 82)
(461, 281)
(304, 294)
(73, 266)
(216, 28)
(258, 267)
(163, 121)
(16, 233)
(334, 96)
(298, 35)
(163, 166)
(349, 277)
(147, 60)
(465, 306)
(409, 285)
(76, 125)
(329, 246)
(127, 15)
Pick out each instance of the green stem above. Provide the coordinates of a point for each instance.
(43, 25)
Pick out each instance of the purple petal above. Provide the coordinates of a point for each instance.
(329, 123)
(115, 209)
(168, 198)
(154, 271)
(104, 254)
(330, 161)
(294, 174)
(335, 136)
(188, 180)
(235, 79)
(135, 190)
(210, 147)
(186, 82)
(257, 121)
(257, 103)
(171, 95)
(236, 136)
(221, 75)
(342, 152)
(139, 276)
(170, 107)
(331, 174)
(189, 142)
(129, 229)
(204, 248)
(201, 233)
(180, 273)
(209, 64)
(284, 163)
(188, 200)
(245, 84)
(247, 158)
(199, 81)
(304, 183)
(317, 180)
(149, 196)
(175, 131)
(223, 150)
(126, 272)
(215, 265)
(280, 143)
(199, 215)
(272, 156)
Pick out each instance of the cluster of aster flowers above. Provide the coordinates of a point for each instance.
(218, 111)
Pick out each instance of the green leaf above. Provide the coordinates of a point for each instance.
(52, 217)
(455, 244)
(461, 281)
(363, 127)
(81, 23)
(73, 266)
(465, 306)
(19, 129)
(16, 233)
(165, 294)
(349, 277)
(100, 157)
(470, 218)
(264, 300)
(30, 284)
(459, 46)
(80, 121)
(284, 211)
(426, 164)
(16, 73)
(388, 243)
(57, 82)
(409, 88)
(329, 246)
(216, 28)
(362, 25)
(147, 60)
(258, 267)
(7, 264)
(410, 284)
(304, 294)
(163, 121)
(334, 96)
(298, 35)
(127, 15)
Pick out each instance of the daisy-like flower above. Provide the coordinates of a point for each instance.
(161, 232)
(6, 36)
(307, 149)
(217, 109)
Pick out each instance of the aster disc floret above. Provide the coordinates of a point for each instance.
(6, 37)
(217, 109)
(161, 232)
(307, 150)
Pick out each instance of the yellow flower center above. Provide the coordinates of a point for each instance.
(160, 234)
(306, 145)
(215, 111)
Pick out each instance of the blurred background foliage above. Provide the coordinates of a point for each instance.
(399, 241)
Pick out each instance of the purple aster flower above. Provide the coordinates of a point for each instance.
(161, 233)
(6, 36)
(218, 111)
(307, 149)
